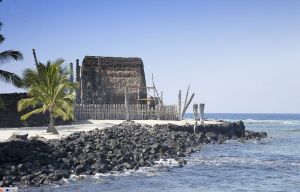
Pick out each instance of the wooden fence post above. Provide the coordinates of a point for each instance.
(187, 105)
(195, 112)
(126, 106)
(179, 105)
(201, 108)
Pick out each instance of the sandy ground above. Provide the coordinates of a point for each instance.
(65, 130)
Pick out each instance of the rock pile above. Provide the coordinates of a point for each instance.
(125, 146)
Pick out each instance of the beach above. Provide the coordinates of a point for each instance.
(87, 125)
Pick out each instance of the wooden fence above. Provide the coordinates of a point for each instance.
(119, 111)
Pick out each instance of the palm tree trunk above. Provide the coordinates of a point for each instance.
(51, 124)
(55, 131)
(51, 127)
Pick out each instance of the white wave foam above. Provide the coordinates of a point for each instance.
(159, 166)
(167, 162)
(231, 160)
(291, 122)
(261, 121)
(74, 177)
(284, 122)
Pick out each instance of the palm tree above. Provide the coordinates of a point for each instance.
(50, 91)
(7, 56)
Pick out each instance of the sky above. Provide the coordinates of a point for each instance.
(238, 56)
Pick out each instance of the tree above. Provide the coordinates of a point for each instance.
(50, 91)
(5, 57)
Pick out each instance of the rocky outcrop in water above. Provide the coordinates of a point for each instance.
(125, 146)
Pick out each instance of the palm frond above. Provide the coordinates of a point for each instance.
(25, 103)
(66, 106)
(10, 55)
(30, 77)
(10, 78)
(58, 61)
(36, 111)
(65, 88)
(49, 84)
(2, 38)
(58, 112)
(70, 97)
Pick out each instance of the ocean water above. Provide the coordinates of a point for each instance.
(272, 164)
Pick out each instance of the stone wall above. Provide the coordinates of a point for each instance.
(10, 117)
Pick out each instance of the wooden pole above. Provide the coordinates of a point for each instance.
(71, 73)
(186, 96)
(187, 105)
(195, 112)
(34, 56)
(126, 106)
(78, 71)
(179, 105)
(155, 91)
(201, 108)
(78, 80)
(138, 100)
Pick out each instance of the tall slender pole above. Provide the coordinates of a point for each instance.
(71, 73)
(79, 99)
(138, 100)
(155, 91)
(78, 73)
(126, 106)
(179, 105)
(202, 117)
(34, 56)
(186, 96)
(187, 105)
(195, 111)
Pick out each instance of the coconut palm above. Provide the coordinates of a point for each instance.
(50, 91)
(7, 56)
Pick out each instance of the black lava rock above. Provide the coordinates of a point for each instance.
(126, 146)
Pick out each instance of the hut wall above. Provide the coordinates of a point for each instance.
(104, 80)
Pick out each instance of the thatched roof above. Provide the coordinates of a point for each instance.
(105, 78)
(111, 61)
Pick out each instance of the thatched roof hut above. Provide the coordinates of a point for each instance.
(104, 79)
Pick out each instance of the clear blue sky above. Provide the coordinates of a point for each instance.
(238, 56)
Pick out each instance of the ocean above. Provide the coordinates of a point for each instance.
(271, 164)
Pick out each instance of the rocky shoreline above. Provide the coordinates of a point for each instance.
(35, 162)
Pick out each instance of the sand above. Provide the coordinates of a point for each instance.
(65, 130)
